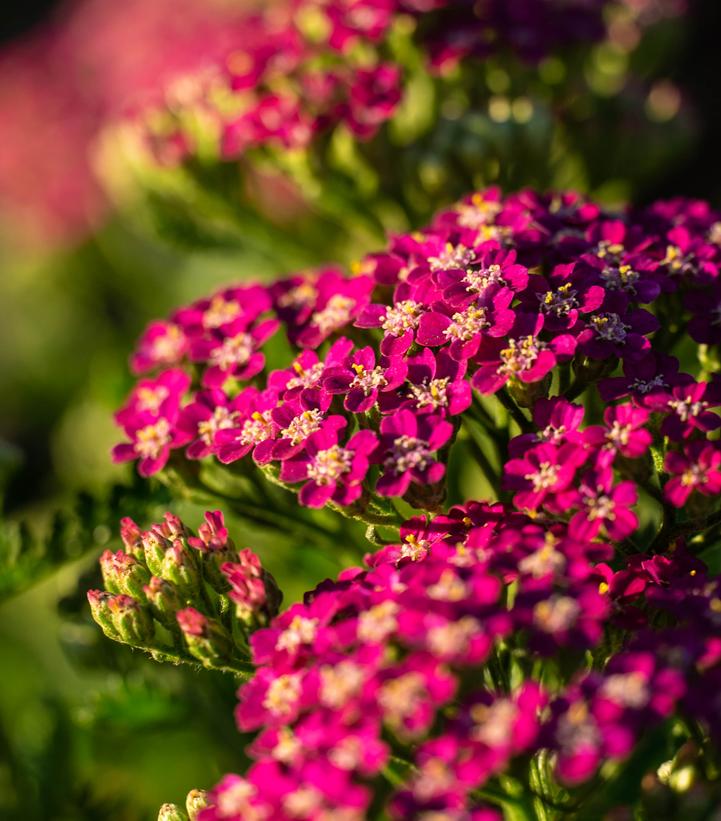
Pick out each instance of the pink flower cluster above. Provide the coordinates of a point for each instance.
(424, 654)
(533, 299)
(307, 65)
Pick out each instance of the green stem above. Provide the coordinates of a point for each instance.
(516, 413)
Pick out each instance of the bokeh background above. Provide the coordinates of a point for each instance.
(90, 730)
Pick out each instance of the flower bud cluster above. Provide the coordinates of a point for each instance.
(181, 596)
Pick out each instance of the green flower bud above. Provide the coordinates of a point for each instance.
(255, 592)
(130, 619)
(122, 573)
(100, 611)
(164, 601)
(525, 394)
(207, 640)
(132, 537)
(179, 567)
(171, 812)
(154, 547)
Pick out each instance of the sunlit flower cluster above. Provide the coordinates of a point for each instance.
(532, 300)
(425, 662)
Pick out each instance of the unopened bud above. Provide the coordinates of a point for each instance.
(122, 573)
(131, 535)
(164, 600)
(526, 394)
(154, 547)
(196, 801)
(426, 497)
(207, 640)
(180, 568)
(254, 591)
(172, 527)
(100, 611)
(213, 534)
(130, 620)
(171, 812)
(591, 370)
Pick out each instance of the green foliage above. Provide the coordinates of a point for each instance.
(29, 552)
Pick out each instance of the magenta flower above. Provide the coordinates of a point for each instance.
(152, 440)
(688, 408)
(254, 431)
(603, 505)
(307, 373)
(236, 355)
(400, 320)
(542, 473)
(198, 423)
(361, 380)
(406, 453)
(337, 302)
(162, 344)
(464, 330)
(697, 468)
(159, 397)
(224, 311)
(558, 423)
(523, 357)
(295, 424)
(435, 382)
(487, 271)
(331, 471)
(623, 431)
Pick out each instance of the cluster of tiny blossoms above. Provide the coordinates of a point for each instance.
(423, 664)
(303, 66)
(534, 300)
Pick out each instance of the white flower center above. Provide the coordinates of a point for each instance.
(330, 464)
(236, 350)
(150, 440)
(407, 453)
(302, 426)
(467, 324)
(431, 394)
(402, 317)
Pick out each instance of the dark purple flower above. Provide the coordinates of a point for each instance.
(688, 409)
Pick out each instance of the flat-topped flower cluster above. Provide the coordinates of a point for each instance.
(428, 661)
(538, 638)
(534, 300)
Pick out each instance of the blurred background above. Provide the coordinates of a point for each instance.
(88, 729)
